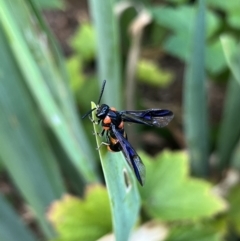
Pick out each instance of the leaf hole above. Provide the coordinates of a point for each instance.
(127, 180)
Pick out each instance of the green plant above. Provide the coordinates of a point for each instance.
(36, 108)
(46, 153)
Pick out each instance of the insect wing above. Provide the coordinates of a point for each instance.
(151, 117)
(131, 156)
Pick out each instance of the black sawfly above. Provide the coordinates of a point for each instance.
(112, 122)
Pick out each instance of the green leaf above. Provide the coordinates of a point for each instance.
(11, 226)
(235, 160)
(25, 150)
(233, 215)
(82, 219)
(149, 72)
(232, 55)
(171, 45)
(49, 4)
(229, 136)
(75, 70)
(223, 5)
(230, 8)
(170, 194)
(196, 232)
(183, 28)
(122, 189)
(41, 66)
(181, 15)
(177, 1)
(215, 59)
(195, 101)
(108, 51)
(184, 18)
(84, 42)
(233, 18)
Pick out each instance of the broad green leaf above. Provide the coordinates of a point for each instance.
(230, 8)
(215, 59)
(108, 52)
(196, 232)
(170, 194)
(223, 5)
(183, 28)
(11, 227)
(75, 70)
(233, 216)
(171, 45)
(184, 18)
(84, 42)
(233, 18)
(82, 219)
(181, 15)
(195, 100)
(149, 72)
(122, 189)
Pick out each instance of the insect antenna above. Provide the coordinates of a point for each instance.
(100, 97)
(88, 113)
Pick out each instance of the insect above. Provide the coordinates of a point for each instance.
(112, 122)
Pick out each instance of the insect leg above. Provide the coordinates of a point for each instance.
(93, 121)
(102, 143)
(99, 134)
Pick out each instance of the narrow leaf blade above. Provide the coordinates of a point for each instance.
(230, 126)
(195, 105)
(108, 52)
(11, 227)
(122, 190)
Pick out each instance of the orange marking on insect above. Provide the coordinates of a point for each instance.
(113, 140)
(107, 120)
(121, 125)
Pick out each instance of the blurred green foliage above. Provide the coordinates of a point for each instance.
(169, 194)
(90, 217)
(234, 211)
(84, 42)
(230, 8)
(176, 195)
(52, 4)
(46, 152)
(195, 232)
(181, 31)
(148, 72)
